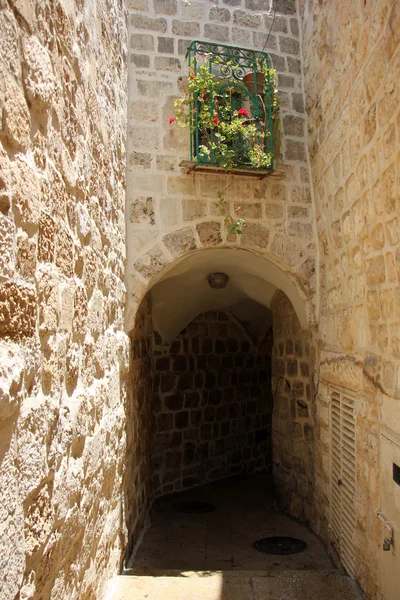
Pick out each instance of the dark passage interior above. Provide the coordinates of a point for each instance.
(216, 393)
(212, 403)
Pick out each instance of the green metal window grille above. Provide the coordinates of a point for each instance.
(244, 81)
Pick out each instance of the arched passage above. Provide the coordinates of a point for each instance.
(220, 378)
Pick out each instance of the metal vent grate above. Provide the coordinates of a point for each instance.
(343, 477)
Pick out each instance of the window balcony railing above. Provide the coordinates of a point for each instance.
(230, 107)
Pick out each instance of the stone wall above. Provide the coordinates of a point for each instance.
(212, 404)
(63, 355)
(169, 213)
(352, 76)
(139, 429)
(292, 421)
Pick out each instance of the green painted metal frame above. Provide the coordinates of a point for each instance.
(233, 63)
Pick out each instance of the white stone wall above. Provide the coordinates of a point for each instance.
(169, 213)
(63, 354)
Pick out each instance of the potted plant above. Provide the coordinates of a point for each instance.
(229, 121)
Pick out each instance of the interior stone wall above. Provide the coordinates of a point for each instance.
(293, 410)
(63, 354)
(212, 403)
(170, 213)
(139, 429)
(351, 60)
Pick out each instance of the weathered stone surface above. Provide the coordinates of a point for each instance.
(62, 181)
(16, 119)
(209, 233)
(17, 310)
(180, 241)
(39, 78)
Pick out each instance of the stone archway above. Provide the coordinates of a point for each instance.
(175, 385)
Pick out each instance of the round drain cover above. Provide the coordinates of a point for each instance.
(280, 545)
(192, 507)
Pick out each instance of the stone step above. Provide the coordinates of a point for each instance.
(322, 584)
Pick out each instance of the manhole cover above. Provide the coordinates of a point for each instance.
(191, 507)
(280, 545)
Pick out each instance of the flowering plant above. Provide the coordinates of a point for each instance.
(229, 124)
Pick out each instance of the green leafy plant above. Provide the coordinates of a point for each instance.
(233, 227)
(227, 134)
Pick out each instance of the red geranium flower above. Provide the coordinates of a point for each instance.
(192, 76)
(171, 120)
(243, 112)
(216, 120)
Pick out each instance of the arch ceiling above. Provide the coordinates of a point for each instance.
(181, 291)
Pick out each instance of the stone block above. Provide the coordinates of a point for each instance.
(219, 14)
(139, 21)
(289, 45)
(167, 63)
(16, 121)
(183, 45)
(151, 263)
(241, 36)
(294, 27)
(142, 41)
(278, 62)
(144, 137)
(233, 2)
(46, 238)
(26, 255)
(39, 80)
(7, 252)
(294, 65)
(217, 33)
(165, 45)
(294, 150)
(293, 126)
(263, 40)
(285, 7)
(179, 242)
(65, 252)
(142, 61)
(142, 210)
(259, 5)
(209, 233)
(17, 310)
(26, 196)
(255, 235)
(298, 103)
(156, 89)
(166, 162)
(186, 28)
(140, 160)
(375, 270)
(244, 19)
(168, 211)
(193, 209)
(165, 7)
(138, 4)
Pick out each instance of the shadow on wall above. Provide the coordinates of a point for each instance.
(137, 484)
(212, 403)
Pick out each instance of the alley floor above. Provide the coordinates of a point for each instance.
(210, 556)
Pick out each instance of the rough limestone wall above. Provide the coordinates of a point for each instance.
(63, 355)
(139, 429)
(352, 79)
(212, 404)
(169, 213)
(292, 420)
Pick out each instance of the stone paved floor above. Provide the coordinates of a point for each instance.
(210, 556)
